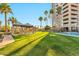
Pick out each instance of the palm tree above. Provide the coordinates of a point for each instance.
(0, 22)
(46, 12)
(5, 9)
(0, 25)
(13, 20)
(45, 19)
(40, 19)
(59, 10)
(52, 14)
(52, 11)
(46, 16)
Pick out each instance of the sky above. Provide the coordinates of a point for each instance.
(28, 12)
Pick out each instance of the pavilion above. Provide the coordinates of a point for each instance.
(20, 28)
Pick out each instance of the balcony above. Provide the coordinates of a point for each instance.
(74, 14)
(73, 24)
(74, 5)
(65, 25)
(65, 13)
(65, 19)
(65, 4)
(65, 7)
(74, 8)
(74, 21)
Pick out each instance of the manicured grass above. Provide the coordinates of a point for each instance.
(43, 44)
(55, 44)
(22, 44)
(23, 51)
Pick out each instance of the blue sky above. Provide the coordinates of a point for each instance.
(28, 12)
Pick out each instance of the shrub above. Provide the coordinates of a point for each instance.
(47, 28)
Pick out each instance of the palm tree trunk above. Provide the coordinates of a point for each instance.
(12, 27)
(46, 23)
(0, 27)
(40, 24)
(53, 19)
(5, 22)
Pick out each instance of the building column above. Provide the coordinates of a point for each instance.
(78, 19)
(69, 27)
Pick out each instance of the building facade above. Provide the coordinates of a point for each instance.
(69, 18)
(57, 18)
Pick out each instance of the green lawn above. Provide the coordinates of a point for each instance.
(56, 45)
(42, 44)
(23, 44)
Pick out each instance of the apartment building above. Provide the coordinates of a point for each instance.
(57, 18)
(70, 16)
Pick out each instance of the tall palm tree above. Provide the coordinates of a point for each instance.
(52, 14)
(59, 8)
(5, 9)
(13, 20)
(52, 11)
(45, 19)
(0, 24)
(46, 16)
(46, 12)
(40, 19)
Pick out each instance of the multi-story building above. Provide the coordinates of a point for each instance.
(57, 18)
(69, 19)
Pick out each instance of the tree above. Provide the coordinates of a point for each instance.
(13, 20)
(52, 14)
(40, 19)
(0, 22)
(0, 25)
(47, 27)
(52, 11)
(5, 9)
(46, 16)
(46, 12)
(59, 10)
(45, 19)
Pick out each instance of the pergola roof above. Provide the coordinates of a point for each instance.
(23, 25)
